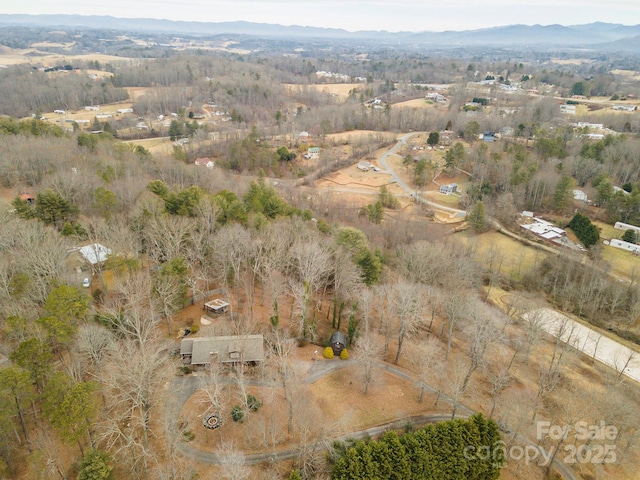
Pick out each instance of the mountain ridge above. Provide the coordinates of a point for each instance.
(505, 35)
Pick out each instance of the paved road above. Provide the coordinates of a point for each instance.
(402, 141)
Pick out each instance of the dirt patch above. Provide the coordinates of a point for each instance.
(338, 399)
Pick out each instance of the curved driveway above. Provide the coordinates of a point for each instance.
(182, 388)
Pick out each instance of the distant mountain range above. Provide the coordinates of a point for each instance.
(609, 36)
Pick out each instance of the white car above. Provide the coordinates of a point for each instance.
(86, 283)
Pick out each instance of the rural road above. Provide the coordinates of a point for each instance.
(182, 388)
(402, 141)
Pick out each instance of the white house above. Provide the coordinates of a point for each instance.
(313, 153)
(365, 166)
(630, 247)
(449, 189)
(544, 229)
(205, 162)
(95, 253)
(625, 108)
(579, 195)
(626, 226)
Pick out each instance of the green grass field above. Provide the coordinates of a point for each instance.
(623, 263)
(513, 259)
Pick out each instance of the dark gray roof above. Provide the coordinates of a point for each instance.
(338, 337)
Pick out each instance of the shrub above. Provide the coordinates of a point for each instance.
(586, 231)
(98, 295)
(630, 236)
(195, 328)
(253, 403)
(344, 354)
(328, 353)
(237, 414)
(188, 436)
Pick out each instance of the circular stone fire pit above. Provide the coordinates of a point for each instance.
(212, 421)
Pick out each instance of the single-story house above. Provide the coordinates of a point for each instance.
(89, 256)
(338, 343)
(223, 349)
(630, 247)
(365, 166)
(313, 153)
(544, 229)
(625, 108)
(489, 137)
(216, 305)
(626, 226)
(95, 254)
(579, 195)
(449, 189)
(568, 109)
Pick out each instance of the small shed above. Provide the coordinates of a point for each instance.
(338, 343)
(216, 305)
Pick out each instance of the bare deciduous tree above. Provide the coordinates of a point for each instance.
(426, 360)
(408, 307)
(368, 351)
(232, 462)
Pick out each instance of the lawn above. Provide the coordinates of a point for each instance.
(510, 257)
(623, 264)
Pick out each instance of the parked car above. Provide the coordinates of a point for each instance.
(86, 283)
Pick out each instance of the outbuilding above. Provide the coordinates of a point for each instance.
(338, 343)
(217, 305)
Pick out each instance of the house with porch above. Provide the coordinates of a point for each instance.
(222, 349)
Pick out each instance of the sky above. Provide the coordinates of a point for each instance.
(352, 15)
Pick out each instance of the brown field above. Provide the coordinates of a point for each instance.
(571, 61)
(338, 89)
(420, 103)
(358, 136)
(52, 45)
(10, 56)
